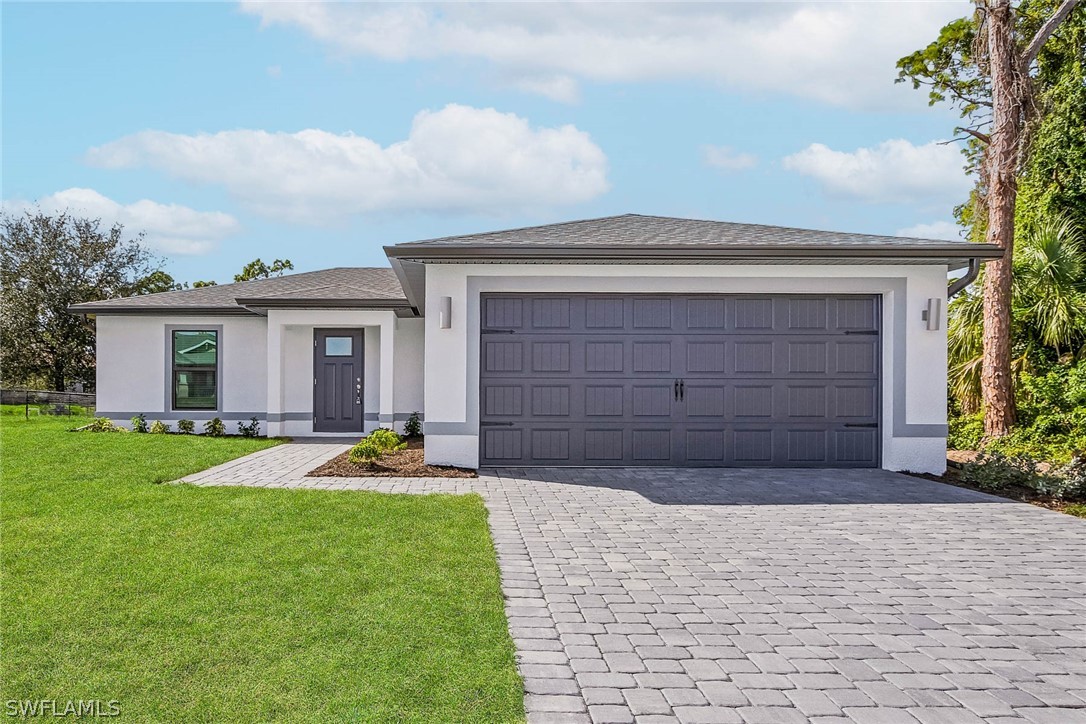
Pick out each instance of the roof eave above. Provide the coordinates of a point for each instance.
(89, 308)
(323, 303)
(935, 252)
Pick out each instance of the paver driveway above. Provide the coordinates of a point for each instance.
(781, 596)
(769, 596)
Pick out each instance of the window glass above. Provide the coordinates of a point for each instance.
(195, 348)
(195, 369)
(338, 346)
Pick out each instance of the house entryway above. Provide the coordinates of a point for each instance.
(337, 380)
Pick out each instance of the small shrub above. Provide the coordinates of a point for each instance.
(251, 429)
(1071, 479)
(214, 427)
(386, 440)
(366, 452)
(103, 424)
(993, 471)
(413, 426)
(965, 432)
(139, 423)
(158, 427)
(186, 427)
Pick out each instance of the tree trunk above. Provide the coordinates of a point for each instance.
(57, 373)
(1002, 159)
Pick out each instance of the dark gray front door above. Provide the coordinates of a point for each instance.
(692, 380)
(337, 380)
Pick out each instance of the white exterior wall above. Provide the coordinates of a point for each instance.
(133, 372)
(266, 368)
(914, 358)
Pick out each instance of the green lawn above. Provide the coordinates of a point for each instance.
(239, 604)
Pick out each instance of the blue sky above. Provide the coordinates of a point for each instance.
(322, 132)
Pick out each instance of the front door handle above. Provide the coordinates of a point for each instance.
(676, 390)
(682, 389)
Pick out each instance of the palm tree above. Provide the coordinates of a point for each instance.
(1050, 273)
(1049, 308)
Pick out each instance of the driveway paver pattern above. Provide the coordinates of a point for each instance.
(663, 595)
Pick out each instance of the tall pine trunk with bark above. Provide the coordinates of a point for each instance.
(1008, 72)
(1002, 162)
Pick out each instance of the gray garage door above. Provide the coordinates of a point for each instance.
(679, 380)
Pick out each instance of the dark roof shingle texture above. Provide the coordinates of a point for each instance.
(633, 230)
(355, 283)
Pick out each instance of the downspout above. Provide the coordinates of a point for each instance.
(958, 285)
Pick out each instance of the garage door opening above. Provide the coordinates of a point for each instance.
(679, 380)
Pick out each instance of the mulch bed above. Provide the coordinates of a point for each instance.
(399, 464)
(953, 476)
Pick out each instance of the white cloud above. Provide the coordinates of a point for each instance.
(893, 171)
(274, 71)
(455, 159)
(560, 88)
(727, 158)
(169, 228)
(838, 53)
(935, 230)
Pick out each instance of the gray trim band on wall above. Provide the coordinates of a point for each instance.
(450, 428)
(195, 415)
(284, 416)
(398, 417)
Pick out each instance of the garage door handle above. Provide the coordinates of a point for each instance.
(861, 424)
(682, 389)
(861, 331)
(676, 390)
(495, 424)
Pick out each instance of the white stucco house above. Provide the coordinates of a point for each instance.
(629, 340)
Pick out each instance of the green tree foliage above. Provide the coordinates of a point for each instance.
(1052, 178)
(257, 269)
(1047, 314)
(48, 262)
(1048, 317)
(155, 282)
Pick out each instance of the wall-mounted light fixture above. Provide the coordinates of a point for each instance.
(933, 313)
(444, 313)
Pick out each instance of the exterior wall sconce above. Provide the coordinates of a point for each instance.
(444, 313)
(933, 313)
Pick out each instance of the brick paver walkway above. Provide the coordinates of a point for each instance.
(770, 596)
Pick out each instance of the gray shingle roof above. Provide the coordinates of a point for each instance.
(633, 232)
(366, 286)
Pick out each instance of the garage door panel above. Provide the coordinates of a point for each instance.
(855, 402)
(653, 313)
(766, 380)
(856, 313)
(503, 312)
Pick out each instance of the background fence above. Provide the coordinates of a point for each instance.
(48, 402)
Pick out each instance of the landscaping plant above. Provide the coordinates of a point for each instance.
(158, 427)
(387, 440)
(215, 427)
(413, 427)
(370, 448)
(139, 423)
(102, 424)
(250, 429)
(366, 452)
(186, 427)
